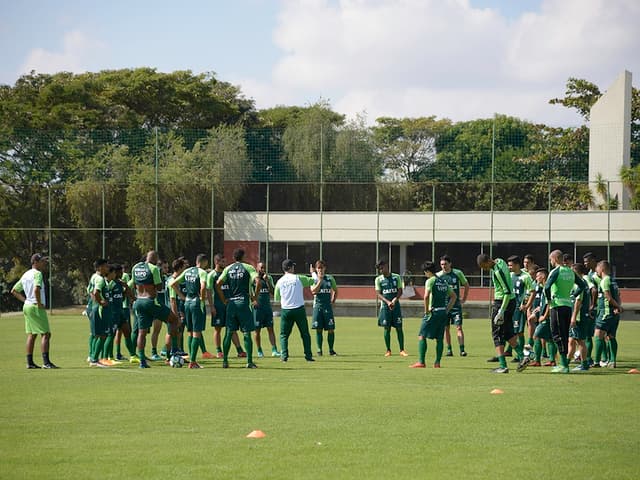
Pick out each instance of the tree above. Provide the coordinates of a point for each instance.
(408, 145)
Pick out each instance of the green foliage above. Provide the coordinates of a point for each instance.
(631, 179)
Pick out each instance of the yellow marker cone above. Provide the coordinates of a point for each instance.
(496, 391)
(634, 370)
(257, 434)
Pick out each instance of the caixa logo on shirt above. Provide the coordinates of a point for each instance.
(386, 291)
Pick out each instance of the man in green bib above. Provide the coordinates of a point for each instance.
(147, 280)
(30, 291)
(439, 299)
(504, 304)
(557, 291)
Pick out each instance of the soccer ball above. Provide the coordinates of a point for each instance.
(176, 361)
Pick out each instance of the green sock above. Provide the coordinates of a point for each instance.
(203, 347)
(605, 350)
(509, 349)
(99, 346)
(248, 347)
(503, 362)
(218, 349)
(585, 364)
(387, 338)
(91, 340)
(174, 343)
(531, 341)
(400, 334)
(331, 338)
(130, 346)
(599, 347)
(448, 347)
(195, 343)
(154, 351)
(613, 350)
(239, 349)
(422, 350)
(564, 361)
(461, 347)
(537, 349)
(545, 351)
(553, 350)
(274, 349)
(107, 351)
(521, 342)
(181, 342)
(319, 339)
(439, 349)
(118, 351)
(142, 357)
(589, 342)
(519, 350)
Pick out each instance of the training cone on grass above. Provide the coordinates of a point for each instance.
(496, 391)
(634, 370)
(257, 434)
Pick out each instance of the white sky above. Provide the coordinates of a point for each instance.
(459, 59)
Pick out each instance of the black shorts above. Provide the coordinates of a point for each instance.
(502, 333)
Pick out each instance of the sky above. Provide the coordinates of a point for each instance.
(456, 59)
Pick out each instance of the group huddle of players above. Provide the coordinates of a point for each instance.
(238, 297)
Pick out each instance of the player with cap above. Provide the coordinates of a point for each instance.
(289, 292)
(30, 291)
(389, 290)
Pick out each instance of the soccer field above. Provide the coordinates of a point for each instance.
(357, 415)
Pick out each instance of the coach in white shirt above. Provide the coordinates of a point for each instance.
(289, 292)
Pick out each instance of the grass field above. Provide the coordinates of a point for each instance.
(357, 415)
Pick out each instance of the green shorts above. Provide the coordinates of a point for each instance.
(543, 330)
(323, 318)
(195, 315)
(147, 310)
(434, 324)
(240, 317)
(519, 320)
(609, 324)
(263, 317)
(390, 318)
(35, 319)
(99, 323)
(455, 317)
(220, 318)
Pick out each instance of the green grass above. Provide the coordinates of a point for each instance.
(358, 415)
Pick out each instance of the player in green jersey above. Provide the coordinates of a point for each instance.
(31, 292)
(522, 288)
(542, 332)
(175, 303)
(161, 298)
(195, 281)
(119, 294)
(148, 281)
(239, 276)
(219, 311)
(456, 279)
(504, 305)
(325, 293)
(388, 288)
(106, 356)
(590, 262)
(579, 329)
(557, 291)
(439, 299)
(609, 310)
(289, 292)
(98, 312)
(126, 313)
(262, 311)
